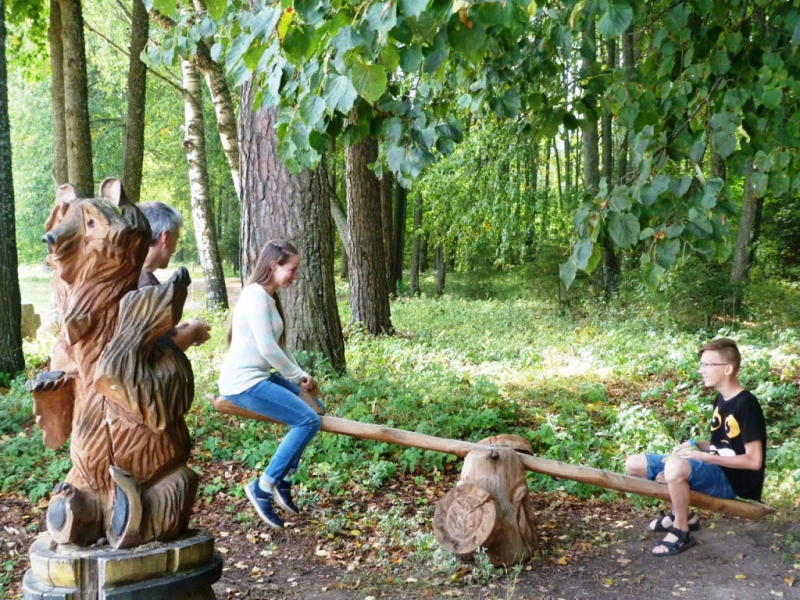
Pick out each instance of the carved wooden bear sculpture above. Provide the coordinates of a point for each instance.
(118, 385)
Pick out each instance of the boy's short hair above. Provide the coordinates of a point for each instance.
(161, 218)
(727, 348)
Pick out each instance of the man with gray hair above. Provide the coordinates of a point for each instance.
(165, 225)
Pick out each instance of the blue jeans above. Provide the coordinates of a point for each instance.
(704, 478)
(278, 399)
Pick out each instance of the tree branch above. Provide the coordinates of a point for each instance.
(122, 51)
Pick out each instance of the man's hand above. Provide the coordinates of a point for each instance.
(191, 333)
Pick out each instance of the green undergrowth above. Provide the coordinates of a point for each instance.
(587, 382)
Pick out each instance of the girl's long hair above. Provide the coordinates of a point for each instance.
(274, 252)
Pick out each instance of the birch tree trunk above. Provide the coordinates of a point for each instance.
(60, 168)
(194, 144)
(11, 358)
(277, 204)
(369, 290)
(133, 151)
(214, 75)
(76, 99)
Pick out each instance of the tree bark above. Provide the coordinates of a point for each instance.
(11, 357)
(747, 237)
(554, 468)
(386, 229)
(416, 246)
(628, 65)
(296, 208)
(369, 290)
(423, 253)
(612, 265)
(399, 236)
(194, 144)
(76, 99)
(60, 167)
(441, 270)
(133, 151)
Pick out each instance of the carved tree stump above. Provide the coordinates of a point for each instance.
(489, 508)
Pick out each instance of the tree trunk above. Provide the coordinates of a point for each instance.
(337, 210)
(60, 167)
(399, 236)
(76, 99)
(441, 270)
(489, 508)
(554, 468)
(369, 290)
(628, 64)
(591, 158)
(416, 246)
(296, 208)
(11, 358)
(387, 182)
(133, 151)
(608, 129)
(194, 144)
(423, 253)
(558, 177)
(747, 237)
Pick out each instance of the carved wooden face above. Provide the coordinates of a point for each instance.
(97, 238)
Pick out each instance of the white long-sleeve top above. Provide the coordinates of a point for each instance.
(254, 351)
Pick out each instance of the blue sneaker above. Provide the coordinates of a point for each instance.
(262, 502)
(283, 496)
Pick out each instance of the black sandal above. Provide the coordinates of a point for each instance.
(684, 542)
(657, 524)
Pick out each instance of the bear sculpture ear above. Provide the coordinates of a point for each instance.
(111, 190)
(67, 192)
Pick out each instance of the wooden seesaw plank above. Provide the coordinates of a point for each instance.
(554, 468)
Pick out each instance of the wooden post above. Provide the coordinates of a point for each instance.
(489, 507)
(598, 477)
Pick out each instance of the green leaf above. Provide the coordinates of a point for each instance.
(615, 19)
(237, 49)
(468, 38)
(667, 252)
(311, 11)
(216, 52)
(624, 229)
(264, 22)
(298, 44)
(711, 190)
(582, 252)
(760, 182)
(390, 58)
(697, 151)
(382, 17)
(368, 80)
(720, 63)
(679, 187)
(674, 231)
(216, 8)
(165, 7)
(339, 93)
(651, 191)
(410, 59)
(724, 143)
(312, 108)
(413, 8)
(567, 272)
(772, 98)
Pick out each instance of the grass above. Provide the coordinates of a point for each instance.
(585, 381)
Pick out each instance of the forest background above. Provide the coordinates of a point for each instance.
(514, 217)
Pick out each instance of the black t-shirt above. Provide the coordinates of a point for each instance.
(736, 422)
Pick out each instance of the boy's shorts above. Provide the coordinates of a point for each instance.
(704, 478)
